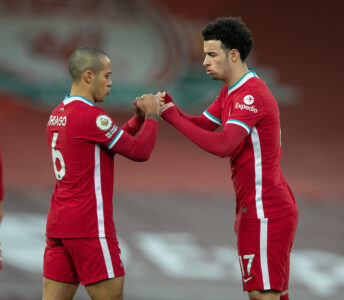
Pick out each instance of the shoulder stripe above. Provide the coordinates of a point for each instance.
(115, 139)
(68, 100)
(250, 74)
(211, 117)
(242, 124)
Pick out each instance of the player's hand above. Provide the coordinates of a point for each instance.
(139, 113)
(168, 98)
(161, 97)
(165, 107)
(149, 104)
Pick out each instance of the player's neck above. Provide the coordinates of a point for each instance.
(81, 91)
(238, 71)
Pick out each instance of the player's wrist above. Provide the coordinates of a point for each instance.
(168, 111)
(154, 116)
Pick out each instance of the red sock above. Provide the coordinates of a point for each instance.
(285, 297)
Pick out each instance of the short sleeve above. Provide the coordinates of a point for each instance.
(214, 111)
(98, 127)
(247, 109)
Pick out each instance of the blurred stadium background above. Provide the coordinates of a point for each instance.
(174, 214)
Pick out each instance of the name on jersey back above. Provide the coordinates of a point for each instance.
(57, 121)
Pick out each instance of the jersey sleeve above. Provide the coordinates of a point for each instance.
(247, 109)
(201, 121)
(219, 143)
(214, 111)
(101, 129)
(98, 127)
(133, 125)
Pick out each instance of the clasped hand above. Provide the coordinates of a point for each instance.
(151, 104)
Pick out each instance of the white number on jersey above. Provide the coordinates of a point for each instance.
(56, 154)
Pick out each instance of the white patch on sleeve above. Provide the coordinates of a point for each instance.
(103, 122)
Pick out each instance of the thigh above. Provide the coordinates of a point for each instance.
(56, 290)
(95, 259)
(110, 289)
(264, 249)
(57, 263)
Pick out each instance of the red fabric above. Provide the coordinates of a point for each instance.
(200, 121)
(285, 297)
(269, 268)
(139, 148)
(219, 143)
(251, 137)
(133, 125)
(82, 260)
(83, 140)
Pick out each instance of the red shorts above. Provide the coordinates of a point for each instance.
(264, 248)
(82, 260)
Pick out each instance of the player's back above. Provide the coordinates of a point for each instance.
(82, 169)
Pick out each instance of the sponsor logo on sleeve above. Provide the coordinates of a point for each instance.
(57, 121)
(103, 122)
(249, 99)
(110, 133)
(247, 107)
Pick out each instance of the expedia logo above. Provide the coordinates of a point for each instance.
(249, 99)
(249, 108)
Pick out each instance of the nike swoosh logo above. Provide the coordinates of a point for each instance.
(245, 280)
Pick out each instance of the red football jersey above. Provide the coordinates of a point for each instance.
(83, 139)
(261, 191)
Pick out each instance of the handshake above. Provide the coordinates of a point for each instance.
(152, 104)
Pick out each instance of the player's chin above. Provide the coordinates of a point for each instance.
(213, 76)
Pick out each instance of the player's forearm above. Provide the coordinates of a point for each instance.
(200, 121)
(133, 125)
(139, 148)
(218, 143)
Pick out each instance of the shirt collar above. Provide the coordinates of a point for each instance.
(250, 74)
(68, 99)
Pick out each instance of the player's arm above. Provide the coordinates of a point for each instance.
(219, 143)
(139, 148)
(202, 121)
(135, 123)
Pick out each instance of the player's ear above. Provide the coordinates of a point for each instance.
(234, 55)
(88, 76)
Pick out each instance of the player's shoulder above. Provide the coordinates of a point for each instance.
(93, 116)
(255, 87)
(224, 90)
(81, 106)
(255, 84)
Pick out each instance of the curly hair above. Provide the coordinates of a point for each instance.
(233, 34)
